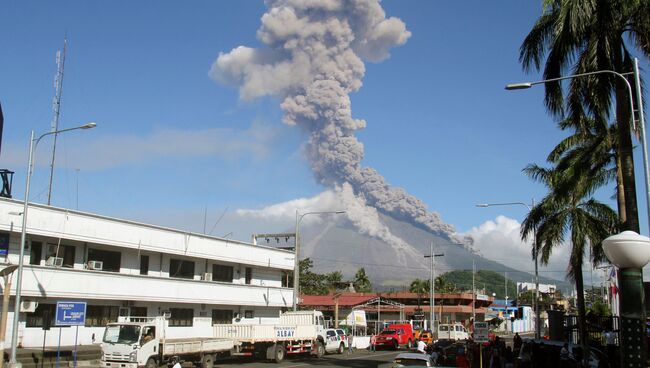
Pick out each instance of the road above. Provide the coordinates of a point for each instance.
(358, 359)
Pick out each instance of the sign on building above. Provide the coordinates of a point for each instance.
(70, 313)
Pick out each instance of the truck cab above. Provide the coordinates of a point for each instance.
(132, 343)
(453, 331)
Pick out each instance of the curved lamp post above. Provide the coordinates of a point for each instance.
(630, 252)
(296, 265)
(19, 276)
(639, 97)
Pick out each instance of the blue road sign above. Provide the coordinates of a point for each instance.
(70, 313)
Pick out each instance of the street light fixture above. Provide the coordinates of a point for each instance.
(630, 252)
(33, 143)
(639, 97)
(536, 301)
(296, 266)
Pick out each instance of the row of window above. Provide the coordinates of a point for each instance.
(111, 261)
(99, 316)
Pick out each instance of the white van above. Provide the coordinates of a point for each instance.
(453, 331)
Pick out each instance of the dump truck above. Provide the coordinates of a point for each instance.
(137, 342)
(300, 332)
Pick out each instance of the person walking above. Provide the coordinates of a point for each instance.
(516, 342)
(350, 342)
(373, 342)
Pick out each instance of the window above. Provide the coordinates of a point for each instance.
(287, 279)
(110, 260)
(181, 317)
(138, 311)
(249, 275)
(44, 312)
(181, 269)
(62, 251)
(100, 315)
(144, 265)
(248, 314)
(221, 316)
(221, 273)
(36, 253)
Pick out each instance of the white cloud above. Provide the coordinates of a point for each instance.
(105, 151)
(499, 240)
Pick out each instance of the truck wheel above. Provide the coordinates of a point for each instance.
(320, 349)
(409, 345)
(395, 345)
(207, 361)
(278, 353)
(341, 348)
(151, 363)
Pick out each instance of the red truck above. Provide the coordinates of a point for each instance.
(396, 335)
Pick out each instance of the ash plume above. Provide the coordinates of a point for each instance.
(313, 60)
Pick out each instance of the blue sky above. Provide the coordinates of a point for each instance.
(172, 142)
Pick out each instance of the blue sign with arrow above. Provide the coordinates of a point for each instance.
(70, 313)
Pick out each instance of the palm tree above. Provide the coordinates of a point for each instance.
(444, 286)
(568, 213)
(420, 287)
(362, 282)
(586, 36)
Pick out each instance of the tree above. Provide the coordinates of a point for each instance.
(420, 287)
(567, 213)
(362, 282)
(586, 36)
(444, 286)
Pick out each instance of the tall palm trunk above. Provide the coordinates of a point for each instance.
(620, 190)
(631, 220)
(582, 311)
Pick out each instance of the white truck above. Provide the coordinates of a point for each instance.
(296, 333)
(137, 342)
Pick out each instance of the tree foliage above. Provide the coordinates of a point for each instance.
(312, 283)
(362, 282)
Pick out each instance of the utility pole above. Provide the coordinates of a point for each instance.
(473, 291)
(432, 296)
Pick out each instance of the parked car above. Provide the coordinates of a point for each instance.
(412, 360)
(547, 353)
(396, 335)
(334, 342)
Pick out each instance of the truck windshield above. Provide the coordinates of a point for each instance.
(388, 332)
(122, 334)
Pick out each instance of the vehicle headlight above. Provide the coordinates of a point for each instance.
(133, 357)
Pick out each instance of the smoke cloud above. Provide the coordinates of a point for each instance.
(314, 60)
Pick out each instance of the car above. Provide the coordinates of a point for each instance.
(426, 337)
(396, 335)
(413, 360)
(453, 331)
(549, 353)
(334, 342)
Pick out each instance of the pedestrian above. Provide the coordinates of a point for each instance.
(565, 356)
(422, 347)
(516, 342)
(350, 341)
(176, 362)
(495, 359)
(373, 342)
(610, 341)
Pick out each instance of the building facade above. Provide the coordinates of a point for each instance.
(125, 268)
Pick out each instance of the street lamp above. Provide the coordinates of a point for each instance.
(528, 207)
(639, 97)
(630, 252)
(296, 266)
(33, 143)
(432, 287)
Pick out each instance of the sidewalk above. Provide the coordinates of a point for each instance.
(87, 356)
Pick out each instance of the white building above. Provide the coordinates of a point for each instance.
(523, 287)
(127, 268)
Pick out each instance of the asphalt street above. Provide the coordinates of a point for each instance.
(358, 359)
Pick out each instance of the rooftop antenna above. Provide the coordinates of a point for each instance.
(56, 106)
